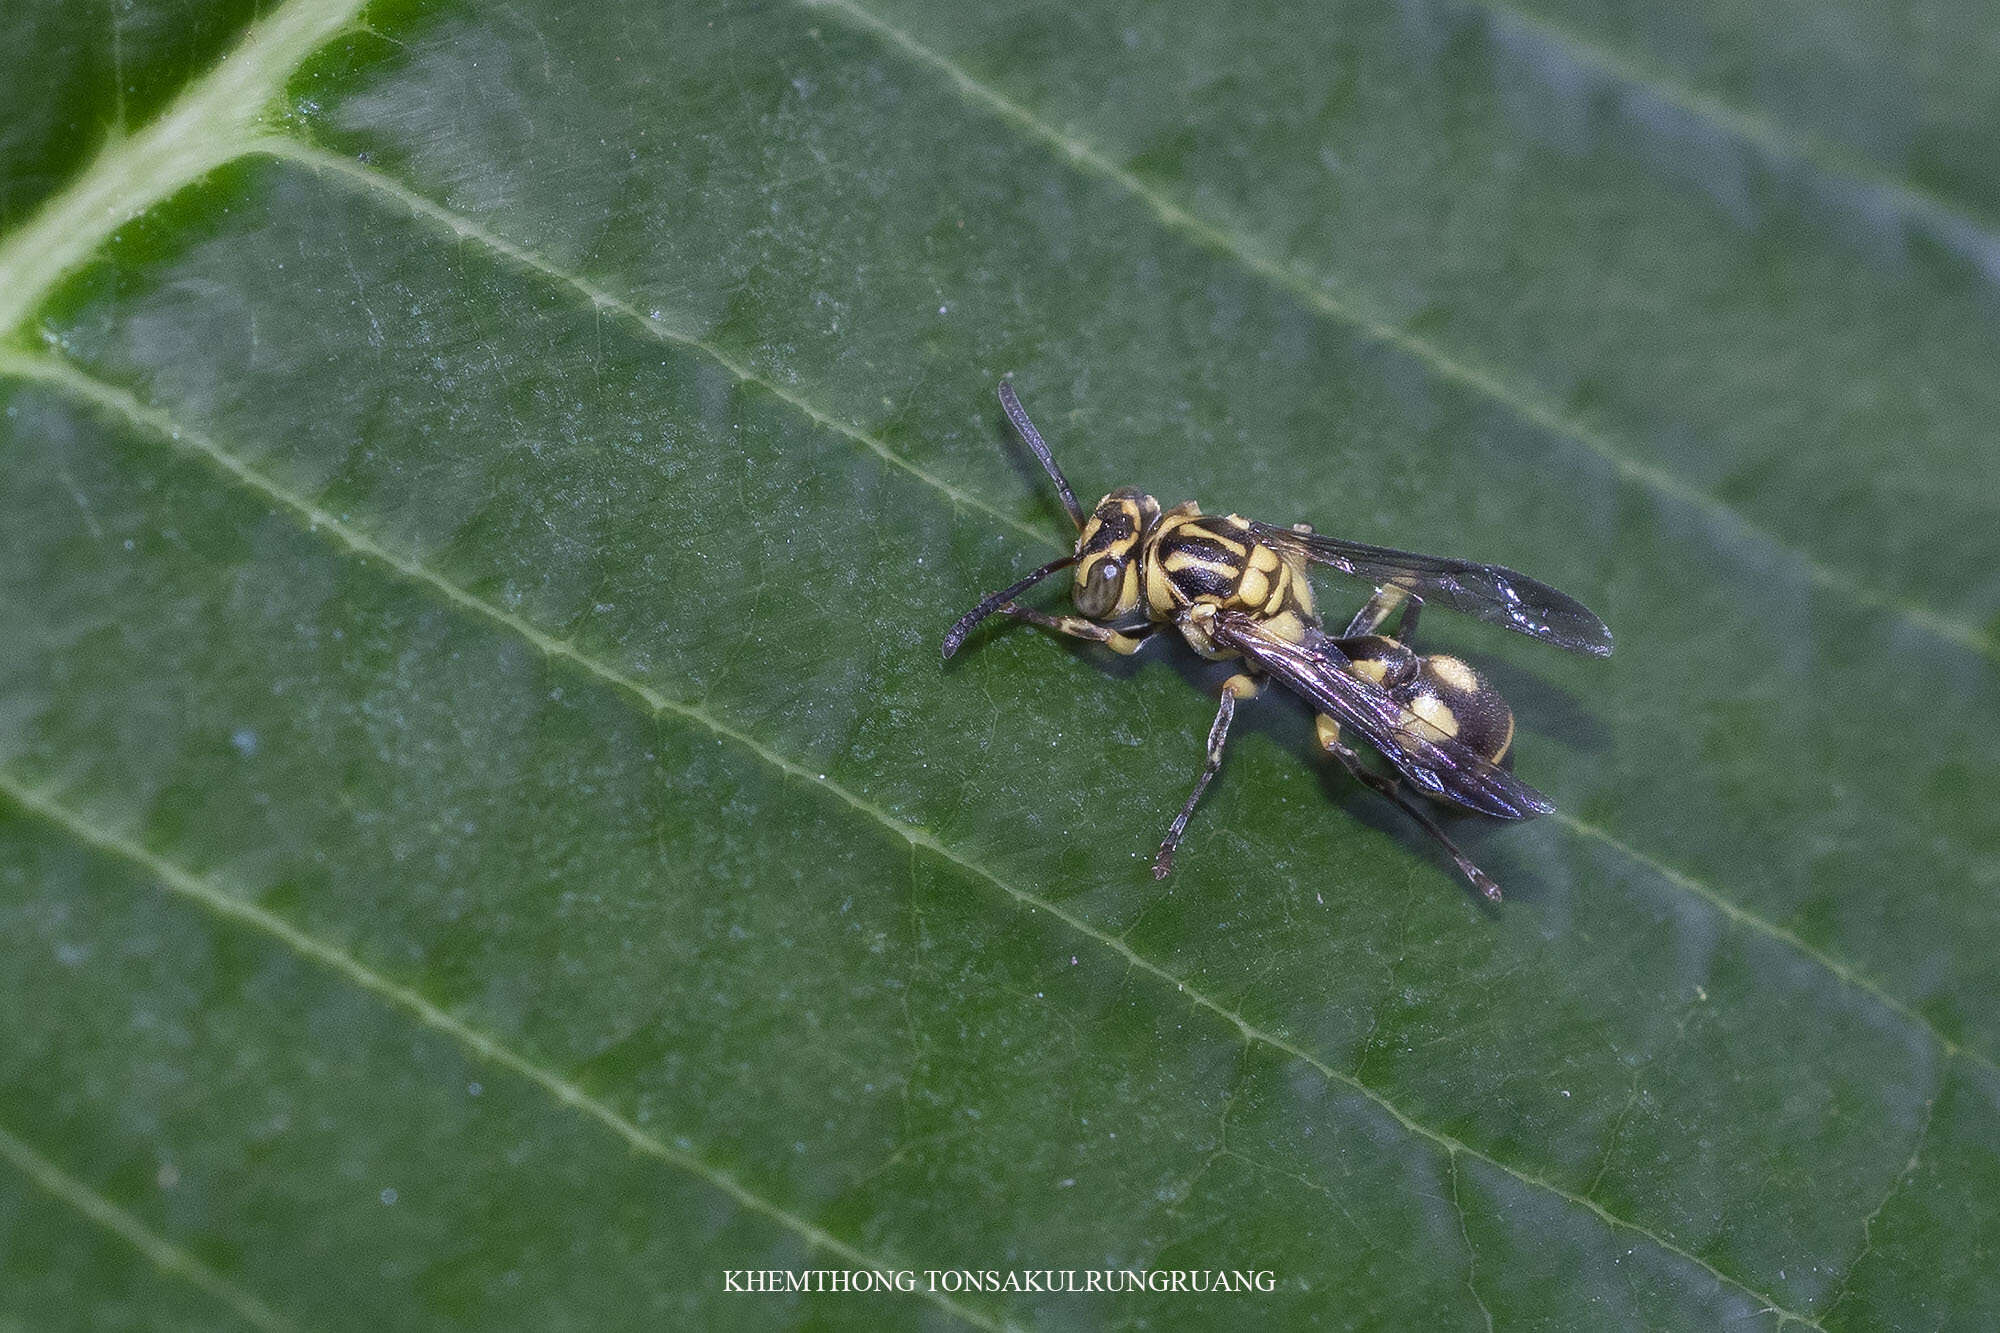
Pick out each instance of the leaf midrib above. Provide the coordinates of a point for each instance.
(208, 124)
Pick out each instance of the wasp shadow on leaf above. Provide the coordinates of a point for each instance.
(1286, 721)
(1547, 711)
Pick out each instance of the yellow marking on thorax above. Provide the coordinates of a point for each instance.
(1178, 561)
(1159, 589)
(1262, 585)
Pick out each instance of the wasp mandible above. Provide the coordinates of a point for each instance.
(1239, 589)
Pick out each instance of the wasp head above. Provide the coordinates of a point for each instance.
(1109, 550)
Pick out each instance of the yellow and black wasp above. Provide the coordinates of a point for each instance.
(1239, 589)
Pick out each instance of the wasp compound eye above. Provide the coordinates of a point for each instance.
(1097, 587)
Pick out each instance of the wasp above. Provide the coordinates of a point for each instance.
(1238, 589)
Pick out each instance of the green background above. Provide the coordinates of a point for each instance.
(486, 837)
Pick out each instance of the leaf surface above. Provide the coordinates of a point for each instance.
(486, 837)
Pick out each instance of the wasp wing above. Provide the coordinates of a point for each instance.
(1488, 592)
(1316, 671)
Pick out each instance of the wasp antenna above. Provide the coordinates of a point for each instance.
(1019, 416)
(957, 633)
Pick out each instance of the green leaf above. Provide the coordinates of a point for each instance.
(486, 837)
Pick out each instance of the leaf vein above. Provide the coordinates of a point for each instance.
(1763, 926)
(1775, 139)
(163, 1254)
(485, 1046)
(284, 148)
(1902, 1178)
(1471, 1253)
(1521, 402)
(292, 150)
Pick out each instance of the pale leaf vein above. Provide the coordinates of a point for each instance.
(1451, 367)
(486, 1047)
(163, 1254)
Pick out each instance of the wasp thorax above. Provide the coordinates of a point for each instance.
(1107, 575)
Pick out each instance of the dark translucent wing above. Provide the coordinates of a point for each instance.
(1314, 670)
(1488, 592)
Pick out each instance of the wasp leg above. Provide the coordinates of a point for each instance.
(1329, 739)
(1236, 687)
(1079, 628)
(1370, 618)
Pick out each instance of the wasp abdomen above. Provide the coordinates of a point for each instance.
(1446, 698)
